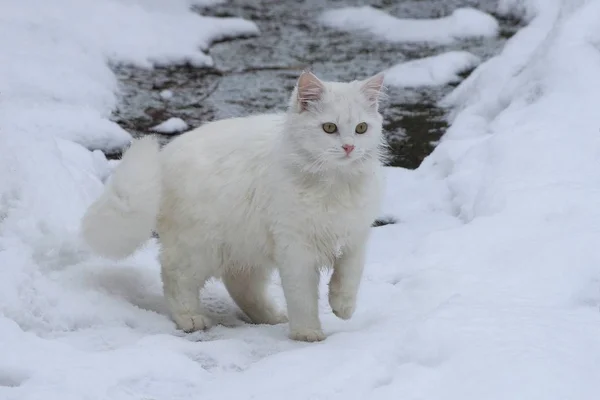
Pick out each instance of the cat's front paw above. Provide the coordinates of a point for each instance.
(307, 335)
(191, 323)
(342, 304)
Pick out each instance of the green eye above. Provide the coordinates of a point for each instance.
(330, 127)
(361, 128)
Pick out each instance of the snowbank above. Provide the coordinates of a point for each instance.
(488, 287)
(517, 283)
(436, 70)
(462, 23)
(55, 81)
(172, 125)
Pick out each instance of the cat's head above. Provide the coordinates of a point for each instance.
(335, 125)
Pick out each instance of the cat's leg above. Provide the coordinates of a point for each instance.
(345, 281)
(300, 281)
(248, 288)
(182, 281)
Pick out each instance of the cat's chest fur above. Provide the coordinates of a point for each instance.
(330, 217)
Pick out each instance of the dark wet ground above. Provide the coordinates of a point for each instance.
(256, 75)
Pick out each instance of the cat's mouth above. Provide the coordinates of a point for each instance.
(347, 158)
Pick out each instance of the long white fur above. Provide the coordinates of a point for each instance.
(242, 197)
(122, 218)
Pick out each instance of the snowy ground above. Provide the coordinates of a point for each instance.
(488, 286)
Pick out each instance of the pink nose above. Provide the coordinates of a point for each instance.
(348, 148)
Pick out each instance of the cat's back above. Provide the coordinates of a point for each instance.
(226, 138)
(225, 148)
(221, 169)
(218, 185)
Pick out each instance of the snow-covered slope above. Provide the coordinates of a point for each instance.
(488, 287)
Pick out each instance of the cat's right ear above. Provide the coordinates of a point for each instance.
(310, 90)
(372, 88)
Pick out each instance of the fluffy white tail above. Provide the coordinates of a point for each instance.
(123, 217)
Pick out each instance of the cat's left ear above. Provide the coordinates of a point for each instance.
(372, 88)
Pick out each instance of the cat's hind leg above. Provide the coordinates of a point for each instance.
(248, 288)
(183, 278)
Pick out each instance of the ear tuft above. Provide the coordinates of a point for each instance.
(372, 88)
(310, 90)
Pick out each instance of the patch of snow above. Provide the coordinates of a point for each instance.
(166, 94)
(436, 70)
(462, 23)
(172, 125)
(95, 163)
(58, 82)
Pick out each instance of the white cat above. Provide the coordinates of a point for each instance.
(240, 197)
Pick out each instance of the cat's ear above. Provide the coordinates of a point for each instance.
(372, 88)
(310, 90)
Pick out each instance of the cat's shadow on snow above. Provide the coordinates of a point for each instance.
(142, 288)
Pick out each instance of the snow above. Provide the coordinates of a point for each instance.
(525, 9)
(58, 82)
(461, 24)
(488, 287)
(172, 125)
(166, 94)
(435, 70)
